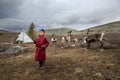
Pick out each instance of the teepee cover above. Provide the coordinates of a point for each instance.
(24, 37)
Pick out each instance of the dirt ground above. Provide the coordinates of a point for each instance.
(62, 64)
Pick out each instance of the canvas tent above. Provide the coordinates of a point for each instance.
(23, 37)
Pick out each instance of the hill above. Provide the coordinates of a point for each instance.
(3, 31)
(113, 27)
(60, 31)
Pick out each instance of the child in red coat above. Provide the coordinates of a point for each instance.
(41, 44)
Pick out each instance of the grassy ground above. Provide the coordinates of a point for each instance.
(63, 64)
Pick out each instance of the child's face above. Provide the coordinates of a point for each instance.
(41, 33)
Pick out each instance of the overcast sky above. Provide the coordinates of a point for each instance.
(77, 14)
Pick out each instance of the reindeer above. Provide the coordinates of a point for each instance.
(53, 39)
(88, 39)
(67, 39)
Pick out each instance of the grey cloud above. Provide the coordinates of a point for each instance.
(61, 13)
(12, 24)
(9, 8)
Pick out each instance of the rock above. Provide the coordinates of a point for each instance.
(14, 49)
(78, 70)
(98, 74)
(2, 49)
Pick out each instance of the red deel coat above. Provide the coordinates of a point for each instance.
(40, 53)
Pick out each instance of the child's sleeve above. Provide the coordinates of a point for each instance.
(46, 44)
(35, 41)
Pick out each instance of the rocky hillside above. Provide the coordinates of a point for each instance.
(60, 31)
(113, 27)
(110, 28)
(3, 31)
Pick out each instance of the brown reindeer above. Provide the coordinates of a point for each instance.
(94, 38)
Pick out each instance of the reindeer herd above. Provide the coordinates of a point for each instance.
(85, 41)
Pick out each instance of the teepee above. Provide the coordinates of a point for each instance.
(24, 38)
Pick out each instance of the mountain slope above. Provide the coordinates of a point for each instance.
(113, 27)
(3, 30)
(60, 31)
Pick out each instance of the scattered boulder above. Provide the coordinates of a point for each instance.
(78, 70)
(98, 74)
(2, 49)
(14, 49)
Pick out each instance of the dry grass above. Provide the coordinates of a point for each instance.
(63, 64)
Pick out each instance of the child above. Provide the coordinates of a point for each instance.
(41, 44)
